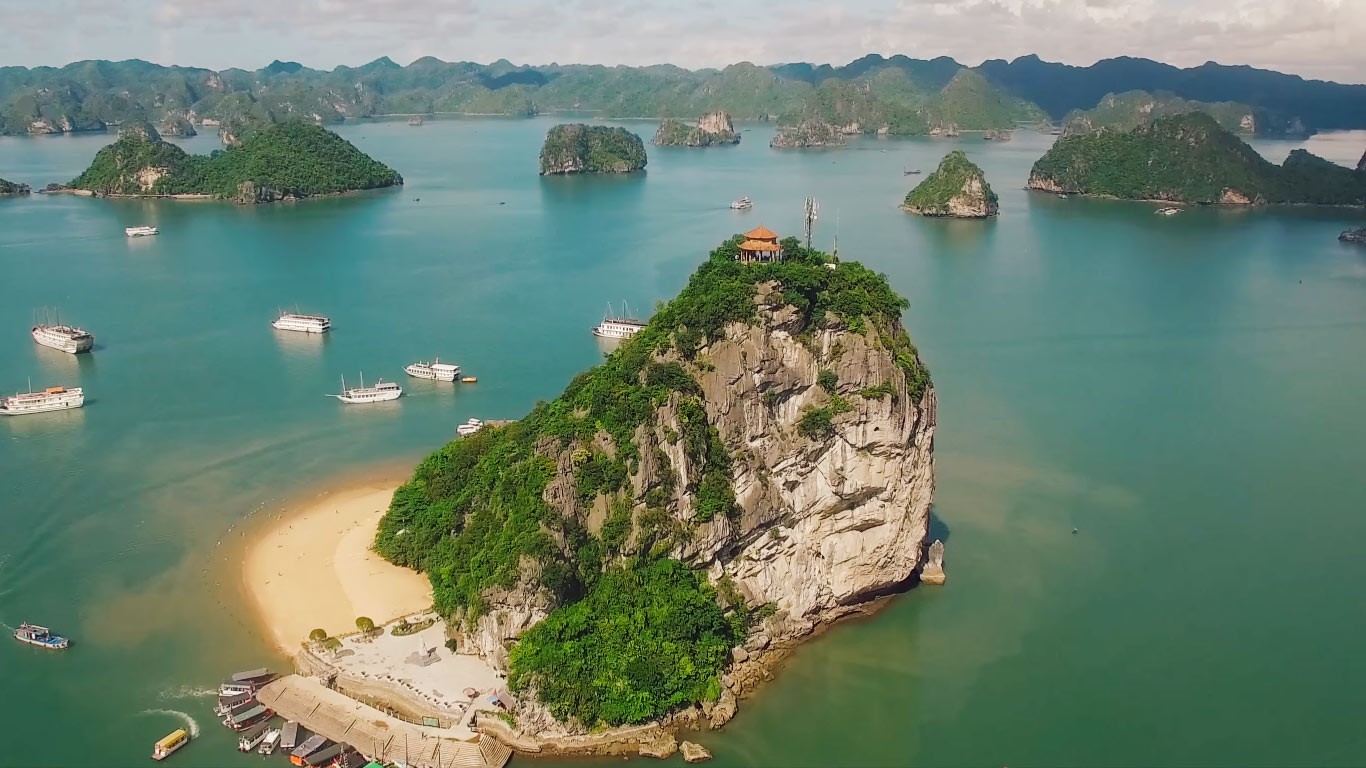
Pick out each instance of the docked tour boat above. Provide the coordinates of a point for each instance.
(435, 370)
(469, 427)
(270, 742)
(618, 326)
(175, 740)
(382, 391)
(67, 338)
(141, 231)
(41, 637)
(743, 204)
(293, 321)
(252, 737)
(241, 721)
(289, 736)
(50, 399)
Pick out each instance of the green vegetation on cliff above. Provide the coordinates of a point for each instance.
(285, 160)
(10, 188)
(1127, 111)
(1190, 158)
(634, 634)
(579, 148)
(956, 188)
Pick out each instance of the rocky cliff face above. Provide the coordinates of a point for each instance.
(808, 133)
(713, 128)
(956, 189)
(825, 524)
(1361, 164)
(11, 188)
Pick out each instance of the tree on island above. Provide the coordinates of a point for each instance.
(318, 635)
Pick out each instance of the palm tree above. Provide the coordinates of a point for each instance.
(318, 635)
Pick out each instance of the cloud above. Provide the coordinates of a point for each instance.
(1315, 38)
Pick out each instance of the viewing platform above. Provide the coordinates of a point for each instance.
(375, 734)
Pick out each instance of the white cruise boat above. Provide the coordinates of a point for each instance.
(50, 399)
(141, 231)
(382, 391)
(469, 427)
(293, 321)
(435, 370)
(743, 204)
(614, 326)
(1168, 211)
(67, 338)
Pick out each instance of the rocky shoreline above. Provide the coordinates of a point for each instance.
(1357, 236)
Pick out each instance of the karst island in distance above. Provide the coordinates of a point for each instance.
(614, 570)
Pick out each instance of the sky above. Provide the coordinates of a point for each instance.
(1323, 39)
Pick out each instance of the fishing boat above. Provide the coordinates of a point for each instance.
(293, 321)
(252, 737)
(41, 637)
(270, 742)
(141, 231)
(469, 380)
(50, 399)
(382, 391)
(469, 427)
(1063, 195)
(435, 370)
(614, 326)
(742, 204)
(67, 338)
(170, 743)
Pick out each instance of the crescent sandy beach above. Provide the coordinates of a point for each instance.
(312, 567)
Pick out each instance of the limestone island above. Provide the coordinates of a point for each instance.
(285, 161)
(957, 189)
(807, 134)
(639, 553)
(11, 188)
(711, 129)
(1190, 158)
(579, 148)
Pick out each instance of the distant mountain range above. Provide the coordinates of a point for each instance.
(896, 95)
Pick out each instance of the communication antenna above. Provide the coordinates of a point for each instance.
(809, 218)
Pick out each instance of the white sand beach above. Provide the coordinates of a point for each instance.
(312, 567)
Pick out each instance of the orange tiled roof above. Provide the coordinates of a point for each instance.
(759, 245)
(761, 233)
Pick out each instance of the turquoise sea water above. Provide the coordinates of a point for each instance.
(1183, 391)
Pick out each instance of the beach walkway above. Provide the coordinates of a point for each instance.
(339, 718)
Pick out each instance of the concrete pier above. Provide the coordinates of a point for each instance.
(339, 718)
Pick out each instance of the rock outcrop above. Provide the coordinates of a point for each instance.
(579, 148)
(711, 129)
(665, 747)
(177, 125)
(956, 189)
(1354, 236)
(11, 188)
(932, 572)
(1361, 164)
(694, 753)
(808, 133)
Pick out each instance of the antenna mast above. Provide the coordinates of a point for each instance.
(809, 218)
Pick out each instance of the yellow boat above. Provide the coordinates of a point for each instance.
(175, 740)
(469, 380)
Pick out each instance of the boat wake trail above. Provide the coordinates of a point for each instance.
(191, 724)
(186, 692)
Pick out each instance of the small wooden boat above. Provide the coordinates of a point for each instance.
(469, 380)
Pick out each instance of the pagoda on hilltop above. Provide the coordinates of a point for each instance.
(760, 247)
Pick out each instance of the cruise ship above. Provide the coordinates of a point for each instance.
(141, 231)
(382, 391)
(293, 321)
(469, 427)
(50, 399)
(742, 204)
(436, 370)
(615, 326)
(67, 338)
